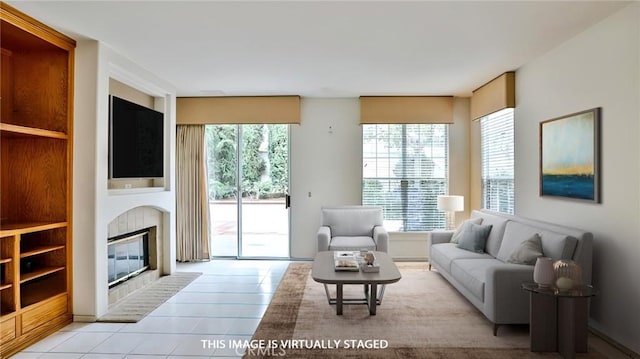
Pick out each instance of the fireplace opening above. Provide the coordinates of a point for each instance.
(127, 256)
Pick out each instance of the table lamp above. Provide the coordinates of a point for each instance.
(451, 205)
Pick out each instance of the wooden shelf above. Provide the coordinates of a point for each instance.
(40, 272)
(9, 313)
(36, 172)
(12, 229)
(10, 130)
(40, 250)
(38, 293)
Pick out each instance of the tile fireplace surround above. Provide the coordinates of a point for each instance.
(133, 220)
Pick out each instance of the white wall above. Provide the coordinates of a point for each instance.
(598, 68)
(326, 161)
(94, 206)
(84, 175)
(459, 154)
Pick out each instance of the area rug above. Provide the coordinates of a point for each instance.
(144, 300)
(421, 316)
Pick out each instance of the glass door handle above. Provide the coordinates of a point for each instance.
(287, 201)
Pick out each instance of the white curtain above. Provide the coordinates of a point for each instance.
(192, 204)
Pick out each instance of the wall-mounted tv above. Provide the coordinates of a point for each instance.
(136, 140)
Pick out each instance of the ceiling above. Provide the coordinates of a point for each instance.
(324, 49)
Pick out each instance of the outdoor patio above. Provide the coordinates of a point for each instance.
(265, 228)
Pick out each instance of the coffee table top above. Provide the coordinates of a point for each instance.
(323, 271)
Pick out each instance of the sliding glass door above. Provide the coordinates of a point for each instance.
(248, 169)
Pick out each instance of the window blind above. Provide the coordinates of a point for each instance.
(405, 168)
(497, 156)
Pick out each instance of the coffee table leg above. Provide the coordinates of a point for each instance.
(339, 299)
(373, 299)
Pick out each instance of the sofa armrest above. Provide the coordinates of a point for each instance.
(324, 237)
(505, 301)
(440, 236)
(381, 238)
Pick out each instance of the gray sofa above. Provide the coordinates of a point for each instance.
(352, 228)
(492, 284)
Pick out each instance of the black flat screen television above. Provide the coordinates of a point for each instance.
(136, 140)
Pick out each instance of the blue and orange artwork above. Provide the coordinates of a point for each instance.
(569, 157)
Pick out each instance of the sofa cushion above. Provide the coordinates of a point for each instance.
(455, 238)
(557, 245)
(527, 252)
(352, 220)
(497, 230)
(444, 253)
(471, 273)
(554, 245)
(352, 243)
(514, 234)
(474, 237)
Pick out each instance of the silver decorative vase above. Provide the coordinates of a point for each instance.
(568, 274)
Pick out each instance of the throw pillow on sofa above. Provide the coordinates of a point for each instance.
(554, 245)
(474, 237)
(528, 251)
(455, 238)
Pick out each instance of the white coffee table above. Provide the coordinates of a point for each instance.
(323, 271)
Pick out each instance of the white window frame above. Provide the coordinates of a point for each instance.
(393, 179)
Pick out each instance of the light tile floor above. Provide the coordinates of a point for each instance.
(223, 305)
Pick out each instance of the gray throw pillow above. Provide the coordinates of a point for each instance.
(528, 251)
(455, 238)
(474, 237)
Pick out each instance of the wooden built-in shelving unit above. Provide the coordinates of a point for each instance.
(36, 135)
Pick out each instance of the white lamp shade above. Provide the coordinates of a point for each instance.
(451, 203)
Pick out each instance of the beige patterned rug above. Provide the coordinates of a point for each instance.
(144, 300)
(421, 316)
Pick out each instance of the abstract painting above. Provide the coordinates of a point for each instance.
(570, 156)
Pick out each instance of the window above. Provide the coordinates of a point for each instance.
(496, 144)
(405, 168)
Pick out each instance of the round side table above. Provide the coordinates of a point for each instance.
(558, 318)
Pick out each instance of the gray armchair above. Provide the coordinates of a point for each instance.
(352, 228)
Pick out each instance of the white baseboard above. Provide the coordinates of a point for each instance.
(410, 259)
(84, 318)
(408, 247)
